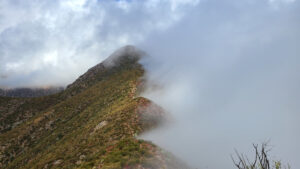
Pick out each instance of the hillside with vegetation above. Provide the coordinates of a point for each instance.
(30, 92)
(93, 123)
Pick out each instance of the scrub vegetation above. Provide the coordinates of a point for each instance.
(93, 123)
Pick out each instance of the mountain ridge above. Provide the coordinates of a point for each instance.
(30, 92)
(120, 58)
(93, 123)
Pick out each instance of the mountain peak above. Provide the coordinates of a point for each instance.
(126, 57)
(126, 53)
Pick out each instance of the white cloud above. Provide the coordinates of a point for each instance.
(73, 35)
(276, 4)
(76, 5)
(283, 1)
(50, 58)
(230, 75)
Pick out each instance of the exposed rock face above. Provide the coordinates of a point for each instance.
(57, 162)
(100, 125)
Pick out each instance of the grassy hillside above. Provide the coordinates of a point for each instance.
(92, 124)
(30, 92)
(14, 111)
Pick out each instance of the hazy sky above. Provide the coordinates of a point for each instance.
(52, 42)
(230, 72)
(229, 68)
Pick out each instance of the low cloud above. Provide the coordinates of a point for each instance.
(229, 72)
(3, 76)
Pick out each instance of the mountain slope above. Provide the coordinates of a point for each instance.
(30, 92)
(92, 124)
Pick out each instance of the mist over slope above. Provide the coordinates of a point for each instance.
(229, 73)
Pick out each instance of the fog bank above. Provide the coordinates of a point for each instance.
(229, 73)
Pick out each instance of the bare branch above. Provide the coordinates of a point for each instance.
(260, 161)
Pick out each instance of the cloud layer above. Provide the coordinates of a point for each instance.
(229, 69)
(53, 42)
(229, 72)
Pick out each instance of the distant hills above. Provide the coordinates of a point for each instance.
(30, 92)
(93, 123)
